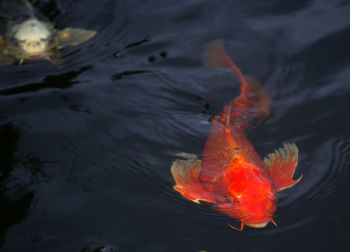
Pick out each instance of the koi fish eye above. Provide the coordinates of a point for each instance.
(34, 44)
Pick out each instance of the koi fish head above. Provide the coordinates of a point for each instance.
(254, 205)
(33, 37)
(261, 211)
(253, 214)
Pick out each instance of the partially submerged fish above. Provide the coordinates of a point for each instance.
(231, 175)
(37, 40)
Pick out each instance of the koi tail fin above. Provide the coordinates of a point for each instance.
(215, 57)
(253, 102)
(186, 175)
(281, 166)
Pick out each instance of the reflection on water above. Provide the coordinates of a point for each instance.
(14, 201)
(86, 149)
(65, 80)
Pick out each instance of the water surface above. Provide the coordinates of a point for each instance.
(86, 150)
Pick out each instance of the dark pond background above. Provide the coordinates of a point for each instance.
(86, 150)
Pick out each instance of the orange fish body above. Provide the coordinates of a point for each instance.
(231, 174)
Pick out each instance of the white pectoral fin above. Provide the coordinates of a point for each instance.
(74, 36)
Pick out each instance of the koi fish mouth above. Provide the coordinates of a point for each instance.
(261, 224)
(258, 225)
(33, 57)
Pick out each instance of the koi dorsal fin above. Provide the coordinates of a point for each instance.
(281, 166)
(186, 175)
(250, 108)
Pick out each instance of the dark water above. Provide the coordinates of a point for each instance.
(86, 150)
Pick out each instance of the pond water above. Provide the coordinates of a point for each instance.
(86, 149)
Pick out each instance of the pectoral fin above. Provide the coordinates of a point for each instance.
(2, 42)
(186, 175)
(6, 60)
(74, 36)
(231, 209)
(281, 166)
(56, 59)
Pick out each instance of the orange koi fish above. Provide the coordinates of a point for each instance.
(231, 175)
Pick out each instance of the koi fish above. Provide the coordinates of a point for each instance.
(231, 175)
(33, 39)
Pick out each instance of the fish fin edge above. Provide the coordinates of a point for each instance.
(74, 36)
(281, 165)
(186, 175)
